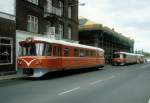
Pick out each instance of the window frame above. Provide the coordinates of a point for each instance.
(61, 6)
(36, 2)
(68, 52)
(32, 24)
(57, 51)
(76, 52)
(11, 47)
(69, 12)
(70, 32)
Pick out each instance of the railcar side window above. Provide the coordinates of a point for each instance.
(91, 53)
(66, 52)
(124, 55)
(54, 51)
(87, 53)
(58, 51)
(94, 53)
(47, 50)
(76, 52)
(116, 55)
(82, 53)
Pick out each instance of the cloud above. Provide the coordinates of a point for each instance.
(7, 6)
(130, 17)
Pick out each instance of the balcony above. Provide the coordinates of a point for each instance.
(51, 11)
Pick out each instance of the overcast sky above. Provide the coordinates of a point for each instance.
(7, 6)
(130, 17)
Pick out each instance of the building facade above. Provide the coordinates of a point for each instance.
(7, 43)
(56, 18)
(97, 35)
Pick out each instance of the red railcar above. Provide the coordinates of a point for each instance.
(38, 56)
(122, 58)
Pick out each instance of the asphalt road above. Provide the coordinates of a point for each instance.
(112, 84)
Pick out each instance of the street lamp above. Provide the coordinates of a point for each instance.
(79, 4)
(82, 4)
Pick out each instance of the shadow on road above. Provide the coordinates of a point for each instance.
(64, 73)
(48, 76)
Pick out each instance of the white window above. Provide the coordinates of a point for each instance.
(6, 51)
(34, 1)
(32, 24)
(69, 12)
(49, 6)
(61, 8)
(60, 30)
(69, 32)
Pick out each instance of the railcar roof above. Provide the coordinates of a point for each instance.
(48, 40)
(129, 53)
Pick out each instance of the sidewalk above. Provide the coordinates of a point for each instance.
(14, 76)
(9, 75)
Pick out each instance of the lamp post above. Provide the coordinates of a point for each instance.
(80, 4)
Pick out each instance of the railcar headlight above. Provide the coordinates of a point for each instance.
(38, 62)
(19, 62)
(118, 60)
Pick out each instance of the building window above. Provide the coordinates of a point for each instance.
(32, 24)
(49, 7)
(69, 12)
(6, 51)
(34, 1)
(61, 8)
(60, 30)
(69, 32)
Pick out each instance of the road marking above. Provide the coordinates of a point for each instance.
(110, 77)
(145, 66)
(95, 82)
(74, 89)
(149, 101)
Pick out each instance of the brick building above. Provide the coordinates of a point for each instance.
(56, 18)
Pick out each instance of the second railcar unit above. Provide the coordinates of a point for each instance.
(38, 55)
(123, 58)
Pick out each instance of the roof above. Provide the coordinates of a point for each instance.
(129, 53)
(48, 40)
(86, 24)
(7, 16)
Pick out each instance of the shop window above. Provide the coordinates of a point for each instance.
(6, 51)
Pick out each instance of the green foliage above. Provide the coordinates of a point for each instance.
(146, 54)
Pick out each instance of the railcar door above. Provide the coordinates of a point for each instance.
(57, 56)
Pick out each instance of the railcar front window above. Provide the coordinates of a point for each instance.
(116, 55)
(39, 49)
(34, 49)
